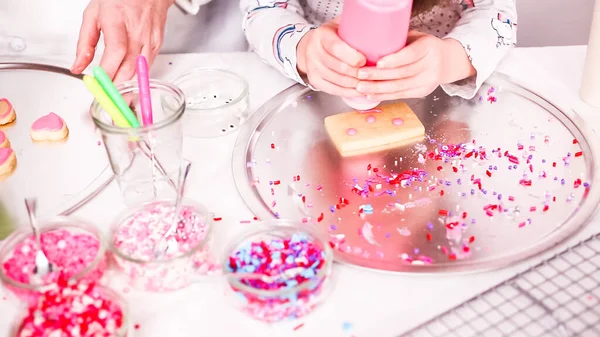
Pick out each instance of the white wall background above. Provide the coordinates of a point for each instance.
(553, 22)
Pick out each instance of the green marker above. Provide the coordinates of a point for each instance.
(115, 96)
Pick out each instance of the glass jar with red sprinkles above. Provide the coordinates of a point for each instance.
(75, 249)
(138, 231)
(278, 270)
(74, 308)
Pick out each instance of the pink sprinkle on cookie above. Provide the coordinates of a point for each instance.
(50, 127)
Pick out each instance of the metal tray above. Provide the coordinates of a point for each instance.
(446, 222)
(63, 176)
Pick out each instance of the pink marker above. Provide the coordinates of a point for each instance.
(376, 28)
(144, 85)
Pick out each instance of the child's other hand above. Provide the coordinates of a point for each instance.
(330, 64)
(416, 70)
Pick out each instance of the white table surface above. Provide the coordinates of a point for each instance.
(365, 303)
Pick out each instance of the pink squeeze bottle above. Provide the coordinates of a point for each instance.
(376, 28)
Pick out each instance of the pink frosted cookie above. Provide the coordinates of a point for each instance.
(7, 113)
(50, 127)
(8, 160)
(4, 143)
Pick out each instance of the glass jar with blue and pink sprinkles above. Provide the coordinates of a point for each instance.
(278, 271)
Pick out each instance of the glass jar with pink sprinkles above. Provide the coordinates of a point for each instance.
(135, 237)
(74, 308)
(75, 249)
(278, 271)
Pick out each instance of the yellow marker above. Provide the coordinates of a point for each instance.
(107, 104)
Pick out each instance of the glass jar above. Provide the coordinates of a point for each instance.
(216, 102)
(145, 160)
(117, 303)
(75, 248)
(136, 234)
(290, 298)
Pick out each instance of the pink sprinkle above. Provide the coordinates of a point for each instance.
(351, 132)
(397, 121)
(370, 119)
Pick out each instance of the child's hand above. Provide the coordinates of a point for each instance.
(416, 70)
(330, 64)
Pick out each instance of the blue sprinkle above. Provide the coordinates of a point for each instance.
(347, 326)
(276, 255)
(249, 268)
(368, 209)
(291, 283)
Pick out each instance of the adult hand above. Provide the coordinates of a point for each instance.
(130, 28)
(330, 64)
(417, 69)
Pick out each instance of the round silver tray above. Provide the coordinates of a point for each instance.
(65, 175)
(285, 166)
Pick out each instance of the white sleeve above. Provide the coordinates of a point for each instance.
(273, 30)
(487, 30)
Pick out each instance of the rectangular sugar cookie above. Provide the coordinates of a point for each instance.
(383, 128)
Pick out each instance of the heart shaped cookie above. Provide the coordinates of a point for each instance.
(4, 140)
(8, 160)
(7, 113)
(50, 127)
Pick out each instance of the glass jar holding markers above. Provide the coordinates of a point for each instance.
(142, 134)
(160, 247)
(74, 248)
(278, 271)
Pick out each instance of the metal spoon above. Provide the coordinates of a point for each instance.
(42, 264)
(168, 242)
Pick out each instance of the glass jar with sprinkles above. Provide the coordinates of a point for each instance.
(278, 271)
(70, 308)
(75, 249)
(136, 236)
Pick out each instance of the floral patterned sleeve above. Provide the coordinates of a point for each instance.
(273, 30)
(487, 29)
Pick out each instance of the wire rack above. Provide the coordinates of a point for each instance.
(559, 297)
